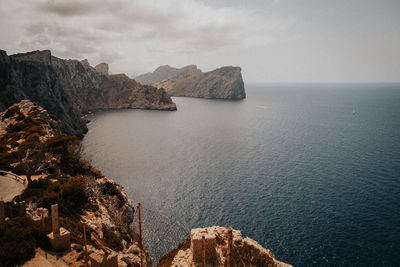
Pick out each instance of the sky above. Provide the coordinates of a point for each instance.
(271, 40)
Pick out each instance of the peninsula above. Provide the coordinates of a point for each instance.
(222, 83)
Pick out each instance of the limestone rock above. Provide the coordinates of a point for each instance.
(245, 252)
(222, 83)
(102, 68)
(161, 73)
(70, 88)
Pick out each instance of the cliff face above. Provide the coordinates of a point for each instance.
(161, 73)
(102, 68)
(69, 88)
(223, 83)
(34, 78)
(244, 251)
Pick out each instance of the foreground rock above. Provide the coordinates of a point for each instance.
(245, 251)
(222, 83)
(69, 88)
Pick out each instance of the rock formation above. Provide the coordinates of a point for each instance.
(102, 68)
(69, 88)
(245, 252)
(223, 83)
(161, 73)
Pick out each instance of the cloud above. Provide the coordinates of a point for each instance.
(133, 35)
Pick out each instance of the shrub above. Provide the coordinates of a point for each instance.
(73, 196)
(70, 195)
(20, 117)
(13, 110)
(6, 159)
(65, 146)
(17, 242)
(112, 190)
(111, 239)
(34, 129)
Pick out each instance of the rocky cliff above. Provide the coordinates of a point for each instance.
(222, 83)
(30, 137)
(244, 252)
(69, 88)
(37, 80)
(161, 73)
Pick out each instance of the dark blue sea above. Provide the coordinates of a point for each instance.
(310, 171)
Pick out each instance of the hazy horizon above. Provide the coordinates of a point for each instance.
(283, 41)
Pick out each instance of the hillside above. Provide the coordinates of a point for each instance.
(222, 83)
(69, 88)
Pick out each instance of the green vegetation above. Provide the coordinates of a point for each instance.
(68, 193)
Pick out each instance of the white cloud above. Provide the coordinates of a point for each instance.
(110, 30)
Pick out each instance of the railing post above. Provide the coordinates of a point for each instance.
(140, 234)
(203, 251)
(229, 257)
(54, 218)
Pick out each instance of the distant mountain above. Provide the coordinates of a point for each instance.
(69, 88)
(223, 83)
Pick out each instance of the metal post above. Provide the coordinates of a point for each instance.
(54, 217)
(140, 234)
(229, 258)
(84, 242)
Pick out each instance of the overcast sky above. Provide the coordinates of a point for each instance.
(272, 40)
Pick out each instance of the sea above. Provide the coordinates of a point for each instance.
(310, 171)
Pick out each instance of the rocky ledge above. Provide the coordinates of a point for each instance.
(243, 251)
(70, 88)
(222, 83)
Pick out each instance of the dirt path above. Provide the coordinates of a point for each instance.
(9, 188)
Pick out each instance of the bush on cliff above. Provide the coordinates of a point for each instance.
(11, 111)
(112, 190)
(68, 193)
(17, 242)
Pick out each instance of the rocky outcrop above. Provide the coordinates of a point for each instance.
(102, 68)
(222, 83)
(69, 88)
(34, 78)
(161, 73)
(244, 251)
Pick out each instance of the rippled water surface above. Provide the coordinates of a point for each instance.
(310, 171)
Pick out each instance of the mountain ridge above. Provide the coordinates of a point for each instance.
(222, 83)
(70, 88)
